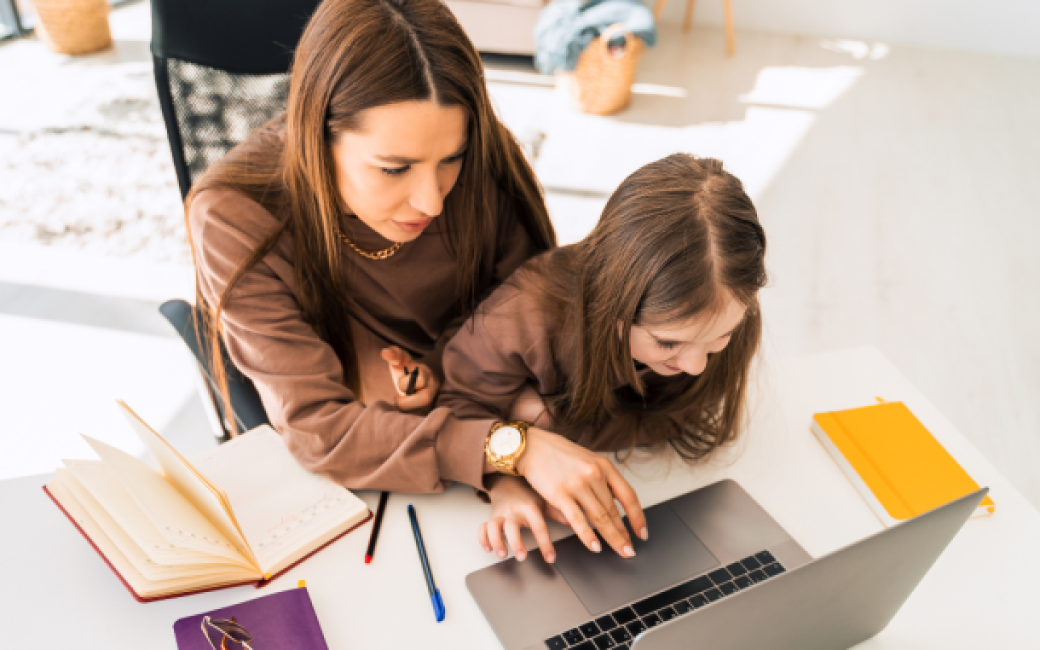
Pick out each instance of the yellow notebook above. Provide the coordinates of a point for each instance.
(898, 467)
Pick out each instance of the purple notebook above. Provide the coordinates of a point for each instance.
(282, 621)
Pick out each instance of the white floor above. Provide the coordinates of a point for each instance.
(897, 187)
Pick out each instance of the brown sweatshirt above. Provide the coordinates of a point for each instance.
(405, 300)
(512, 346)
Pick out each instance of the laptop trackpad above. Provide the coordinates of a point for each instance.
(604, 581)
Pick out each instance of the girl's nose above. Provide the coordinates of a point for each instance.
(693, 362)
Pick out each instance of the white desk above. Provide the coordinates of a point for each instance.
(982, 593)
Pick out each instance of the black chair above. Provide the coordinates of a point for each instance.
(221, 69)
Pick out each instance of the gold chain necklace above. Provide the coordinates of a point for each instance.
(375, 255)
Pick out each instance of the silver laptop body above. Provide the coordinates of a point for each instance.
(718, 572)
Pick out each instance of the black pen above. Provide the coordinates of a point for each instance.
(384, 496)
(412, 376)
(435, 594)
(375, 527)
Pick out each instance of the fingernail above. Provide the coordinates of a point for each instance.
(487, 549)
(550, 558)
(596, 548)
(501, 554)
(520, 557)
(629, 551)
(644, 533)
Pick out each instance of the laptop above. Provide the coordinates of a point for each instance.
(717, 572)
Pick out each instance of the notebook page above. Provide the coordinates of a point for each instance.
(138, 583)
(178, 521)
(209, 499)
(106, 492)
(134, 552)
(280, 506)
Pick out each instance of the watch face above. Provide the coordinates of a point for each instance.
(505, 441)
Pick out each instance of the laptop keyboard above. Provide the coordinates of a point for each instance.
(618, 629)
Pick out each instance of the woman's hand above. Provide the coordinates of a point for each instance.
(582, 485)
(514, 506)
(426, 384)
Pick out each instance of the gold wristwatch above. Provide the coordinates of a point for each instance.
(505, 444)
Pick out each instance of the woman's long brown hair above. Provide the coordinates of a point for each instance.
(355, 55)
(676, 240)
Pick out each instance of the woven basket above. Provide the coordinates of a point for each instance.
(601, 83)
(73, 26)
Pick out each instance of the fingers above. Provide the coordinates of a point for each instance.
(422, 380)
(398, 360)
(605, 498)
(516, 542)
(416, 401)
(555, 514)
(582, 487)
(536, 522)
(482, 537)
(576, 520)
(629, 500)
(396, 356)
(494, 533)
(426, 388)
(602, 519)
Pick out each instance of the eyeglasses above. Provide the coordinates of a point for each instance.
(229, 631)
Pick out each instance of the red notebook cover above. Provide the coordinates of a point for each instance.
(138, 598)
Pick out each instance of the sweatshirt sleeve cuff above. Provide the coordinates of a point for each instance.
(460, 450)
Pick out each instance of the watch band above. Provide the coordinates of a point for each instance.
(507, 464)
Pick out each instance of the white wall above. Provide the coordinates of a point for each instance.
(993, 26)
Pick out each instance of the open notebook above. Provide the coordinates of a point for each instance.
(242, 513)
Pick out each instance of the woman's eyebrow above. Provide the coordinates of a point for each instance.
(399, 160)
(404, 160)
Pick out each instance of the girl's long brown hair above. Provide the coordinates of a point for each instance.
(355, 55)
(675, 240)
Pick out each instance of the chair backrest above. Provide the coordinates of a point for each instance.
(221, 69)
(247, 410)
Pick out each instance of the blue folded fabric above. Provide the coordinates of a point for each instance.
(566, 27)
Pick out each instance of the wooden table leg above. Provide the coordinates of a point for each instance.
(658, 8)
(727, 11)
(688, 16)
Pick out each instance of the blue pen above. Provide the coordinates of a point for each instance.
(435, 594)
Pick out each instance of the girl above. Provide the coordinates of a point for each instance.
(358, 231)
(642, 334)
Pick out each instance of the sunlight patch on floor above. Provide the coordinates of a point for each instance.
(592, 154)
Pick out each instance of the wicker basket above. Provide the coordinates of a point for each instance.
(601, 83)
(73, 26)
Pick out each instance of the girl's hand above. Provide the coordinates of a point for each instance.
(582, 485)
(426, 384)
(514, 506)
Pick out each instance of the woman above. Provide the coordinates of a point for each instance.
(343, 243)
(641, 334)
